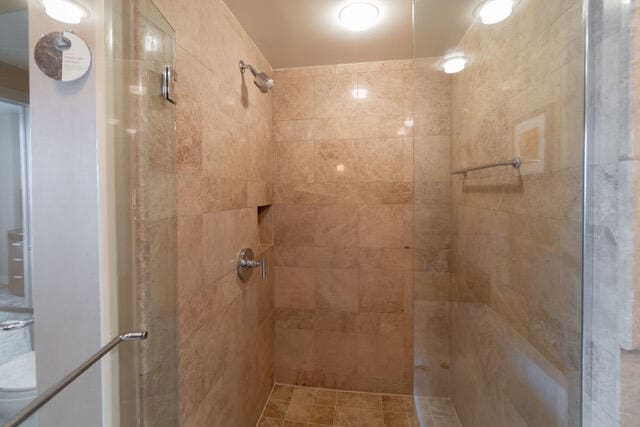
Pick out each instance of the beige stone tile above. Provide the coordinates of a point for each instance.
(431, 286)
(332, 95)
(334, 257)
(347, 399)
(322, 415)
(294, 350)
(381, 193)
(305, 130)
(630, 386)
(380, 159)
(294, 225)
(336, 161)
(336, 225)
(188, 118)
(303, 396)
(335, 354)
(223, 194)
(282, 392)
(293, 318)
(370, 418)
(293, 98)
(306, 194)
(380, 356)
(270, 422)
(374, 126)
(381, 291)
(225, 233)
(275, 409)
(295, 256)
(298, 412)
(189, 247)
(396, 419)
(294, 162)
(384, 92)
(370, 401)
(295, 287)
(325, 398)
(185, 19)
(382, 226)
(396, 259)
(392, 403)
(346, 416)
(190, 197)
(336, 321)
(319, 70)
(432, 158)
(259, 193)
(337, 289)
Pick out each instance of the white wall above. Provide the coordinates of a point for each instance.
(66, 227)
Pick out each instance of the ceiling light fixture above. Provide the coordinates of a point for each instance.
(67, 11)
(494, 11)
(454, 64)
(359, 16)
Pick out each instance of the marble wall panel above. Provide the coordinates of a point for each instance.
(224, 159)
(343, 226)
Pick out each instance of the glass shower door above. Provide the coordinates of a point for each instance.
(497, 310)
(17, 357)
(143, 133)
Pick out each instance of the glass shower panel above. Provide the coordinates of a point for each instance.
(610, 350)
(143, 132)
(497, 281)
(16, 345)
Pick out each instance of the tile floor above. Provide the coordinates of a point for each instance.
(293, 406)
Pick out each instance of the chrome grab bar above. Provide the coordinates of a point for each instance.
(515, 162)
(52, 391)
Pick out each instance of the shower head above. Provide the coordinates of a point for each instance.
(260, 79)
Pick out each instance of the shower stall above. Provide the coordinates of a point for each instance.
(402, 213)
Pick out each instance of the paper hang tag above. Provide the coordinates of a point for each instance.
(62, 56)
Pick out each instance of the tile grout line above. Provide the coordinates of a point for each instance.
(266, 403)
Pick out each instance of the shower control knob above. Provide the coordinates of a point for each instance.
(246, 263)
(249, 263)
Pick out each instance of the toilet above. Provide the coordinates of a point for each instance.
(17, 385)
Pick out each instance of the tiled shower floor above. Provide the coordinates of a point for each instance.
(293, 406)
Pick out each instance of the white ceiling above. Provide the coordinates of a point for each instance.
(298, 33)
(14, 39)
(440, 25)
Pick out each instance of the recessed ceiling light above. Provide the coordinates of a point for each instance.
(67, 11)
(494, 11)
(359, 16)
(454, 64)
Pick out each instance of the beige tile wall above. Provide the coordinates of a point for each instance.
(629, 375)
(517, 239)
(343, 225)
(224, 161)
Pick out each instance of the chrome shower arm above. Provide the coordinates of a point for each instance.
(250, 67)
